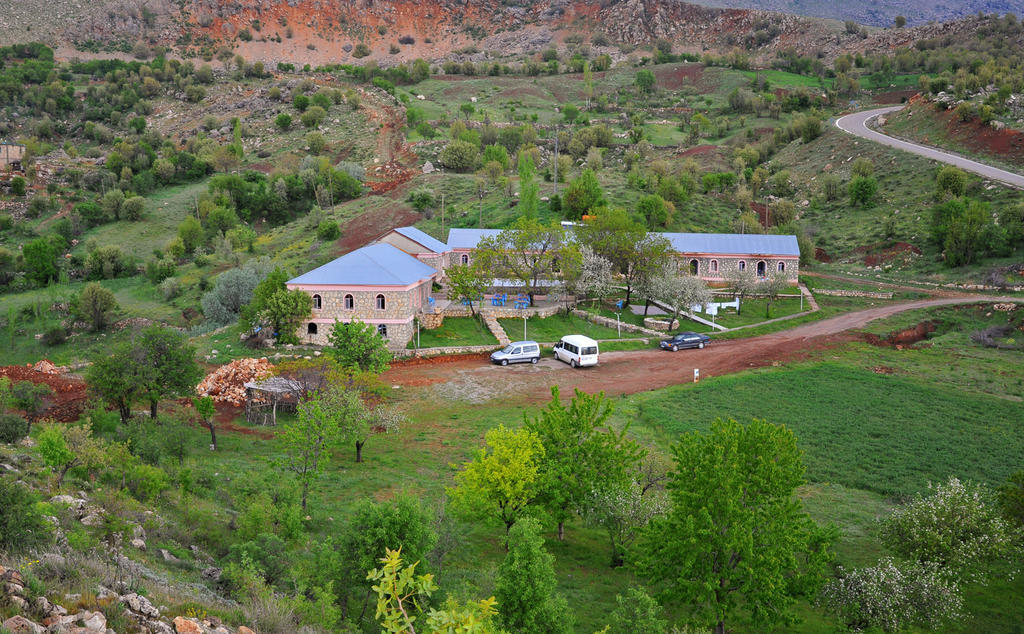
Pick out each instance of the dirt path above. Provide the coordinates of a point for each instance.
(398, 161)
(473, 379)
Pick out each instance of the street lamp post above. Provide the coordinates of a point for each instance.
(524, 327)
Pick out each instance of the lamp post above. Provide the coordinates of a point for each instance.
(524, 326)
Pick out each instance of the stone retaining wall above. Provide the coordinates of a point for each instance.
(847, 293)
(660, 325)
(447, 350)
(501, 312)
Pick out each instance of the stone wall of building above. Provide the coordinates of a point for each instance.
(727, 265)
(399, 308)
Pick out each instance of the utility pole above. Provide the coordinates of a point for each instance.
(556, 162)
(442, 214)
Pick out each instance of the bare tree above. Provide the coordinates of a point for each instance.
(680, 292)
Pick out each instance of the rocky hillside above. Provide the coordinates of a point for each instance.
(878, 12)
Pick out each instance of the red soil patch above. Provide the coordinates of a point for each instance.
(902, 338)
(699, 150)
(676, 78)
(886, 252)
(371, 224)
(449, 358)
(761, 210)
(821, 255)
(69, 396)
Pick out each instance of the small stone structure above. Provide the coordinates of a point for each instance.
(848, 293)
(263, 398)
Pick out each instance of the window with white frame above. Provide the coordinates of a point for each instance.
(317, 301)
(381, 302)
(350, 302)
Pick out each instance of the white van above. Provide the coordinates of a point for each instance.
(577, 350)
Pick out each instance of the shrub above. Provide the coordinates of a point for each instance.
(313, 116)
(146, 482)
(361, 50)
(460, 156)
(283, 121)
(21, 524)
(54, 336)
(328, 231)
(12, 428)
(18, 186)
(301, 102)
(133, 207)
(96, 306)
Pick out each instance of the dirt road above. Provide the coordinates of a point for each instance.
(475, 380)
(856, 124)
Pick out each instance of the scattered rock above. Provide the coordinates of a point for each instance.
(138, 543)
(212, 573)
(138, 532)
(168, 557)
(140, 605)
(185, 626)
(20, 625)
(92, 519)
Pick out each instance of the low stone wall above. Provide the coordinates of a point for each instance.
(601, 320)
(447, 350)
(431, 321)
(501, 312)
(847, 293)
(659, 325)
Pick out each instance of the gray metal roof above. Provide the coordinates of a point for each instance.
(468, 238)
(373, 265)
(729, 243)
(427, 240)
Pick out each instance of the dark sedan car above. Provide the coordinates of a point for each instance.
(684, 340)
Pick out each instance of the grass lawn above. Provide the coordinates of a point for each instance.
(553, 328)
(753, 311)
(456, 331)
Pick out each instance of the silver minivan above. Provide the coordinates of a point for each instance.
(517, 352)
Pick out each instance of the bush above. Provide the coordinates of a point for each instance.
(146, 482)
(21, 524)
(12, 428)
(96, 306)
(328, 231)
(283, 121)
(461, 156)
(361, 50)
(54, 336)
(18, 186)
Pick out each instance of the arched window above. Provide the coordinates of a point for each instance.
(381, 303)
(350, 302)
(782, 267)
(761, 268)
(694, 266)
(382, 330)
(465, 259)
(714, 266)
(316, 302)
(311, 328)
(742, 265)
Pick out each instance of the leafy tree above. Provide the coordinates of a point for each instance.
(651, 255)
(18, 186)
(525, 585)
(528, 189)
(316, 427)
(899, 22)
(460, 156)
(356, 344)
(680, 292)
(301, 102)
(771, 287)
(956, 528)
(96, 306)
(862, 190)
(735, 542)
(167, 364)
(654, 208)
(233, 289)
(65, 446)
(22, 525)
(582, 452)
(40, 256)
(28, 397)
(582, 195)
(503, 479)
(114, 377)
(892, 595)
(191, 233)
(636, 612)
(12, 427)
(962, 228)
(312, 117)
(274, 306)
(283, 121)
(645, 80)
(951, 180)
(376, 526)
(112, 202)
(570, 113)
(467, 283)
(527, 252)
(398, 592)
(614, 236)
(623, 510)
(467, 109)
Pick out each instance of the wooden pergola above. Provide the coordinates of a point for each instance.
(262, 399)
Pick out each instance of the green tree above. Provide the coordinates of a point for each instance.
(951, 180)
(582, 452)
(570, 113)
(502, 480)
(356, 344)
(467, 283)
(736, 542)
(528, 188)
(21, 524)
(312, 117)
(862, 190)
(614, 236)
(636, 612)
(65, 446)
(96, 306)
(167, 365)
(190, 231)
(114, 377)
(645, 80)
(29, 398)
(40, 256)
(461, 156)
(582, 195)
(283, 121)
(205, 410)
(525, 585)
(18, 186)
(467, 109)
(315, 428)
(274, 306)
(528, 252)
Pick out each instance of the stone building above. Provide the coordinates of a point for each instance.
(378, 284)
(712, 256)
(418, 244)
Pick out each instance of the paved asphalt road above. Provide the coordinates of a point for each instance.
(856, 124)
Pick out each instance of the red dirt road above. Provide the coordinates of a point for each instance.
(629, 372)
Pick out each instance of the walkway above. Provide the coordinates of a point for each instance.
(857, 125)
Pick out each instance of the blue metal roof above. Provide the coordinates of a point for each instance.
(373, 265)
(427, 240)
(468, 238)
(733, 243)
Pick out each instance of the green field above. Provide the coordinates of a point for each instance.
(455, 331)
(551, 329)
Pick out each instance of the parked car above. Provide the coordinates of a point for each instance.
(684, 340)
(517, 352)
(577, 350)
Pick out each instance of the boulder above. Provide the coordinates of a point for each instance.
(185, 626)
(140, 605)
(168, 557)
(103, 593)
(212, 573)
(138, 543)
(92, 519)
(20, 625)
(138, 532)
(244, 630)
(94, 621)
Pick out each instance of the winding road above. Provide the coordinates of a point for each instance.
(857, 125)
(472, 378)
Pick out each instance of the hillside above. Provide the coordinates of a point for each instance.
(877, 13)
